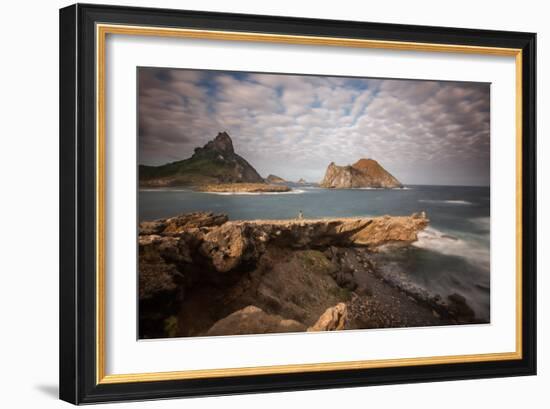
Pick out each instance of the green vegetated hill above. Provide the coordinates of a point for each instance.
(215, 162)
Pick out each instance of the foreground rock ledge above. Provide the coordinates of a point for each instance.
(216, 244)
(199, 268)
(362, 231)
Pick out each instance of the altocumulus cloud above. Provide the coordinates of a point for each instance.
(425, 132)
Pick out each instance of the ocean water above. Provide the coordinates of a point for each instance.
(451, 255)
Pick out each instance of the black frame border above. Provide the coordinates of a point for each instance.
(78, 197)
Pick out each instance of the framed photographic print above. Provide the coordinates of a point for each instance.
(258, 203)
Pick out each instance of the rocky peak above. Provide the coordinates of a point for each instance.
(216, 162)
(221, 143)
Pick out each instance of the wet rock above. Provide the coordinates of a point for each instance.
(253, 320)
(459, 309)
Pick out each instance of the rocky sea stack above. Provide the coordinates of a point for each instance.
(216, 162)
(365, 173)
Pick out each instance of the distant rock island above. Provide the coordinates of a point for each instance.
(213, 168)
(274, 179)
(216, 167)
(364, 173)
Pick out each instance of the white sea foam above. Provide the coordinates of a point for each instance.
(454, 202)
(483, 222)
(435, 240)
(368, 188)
(291, 192)
(381, 188)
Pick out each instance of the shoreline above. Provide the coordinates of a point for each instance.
(242, 188)
(201, 274)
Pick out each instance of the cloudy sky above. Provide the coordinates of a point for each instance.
(293, 126)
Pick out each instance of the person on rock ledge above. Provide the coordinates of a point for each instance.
(300, 215)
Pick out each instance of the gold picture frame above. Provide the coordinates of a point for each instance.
(98, 19)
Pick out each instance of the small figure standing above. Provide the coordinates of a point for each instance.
(300, 215)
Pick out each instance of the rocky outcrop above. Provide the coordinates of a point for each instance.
(253, 320)
(365, 173)
(202, 268)
(333, 319)
(228, 244)
(274, 179)
(215, 162)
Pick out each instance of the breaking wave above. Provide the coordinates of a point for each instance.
(381, 188)
(435, 240)
(454, 202)
(292, 192)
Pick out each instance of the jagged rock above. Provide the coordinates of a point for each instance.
(188, 221)
(387, 229)
(157, 270)
(253, 320)
(342, 232)
(154, 227)
(182, 223)
(333, 319)
(363, 173)
(228, 246)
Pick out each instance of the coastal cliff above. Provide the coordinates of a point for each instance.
(201, 274)
(365, 173)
